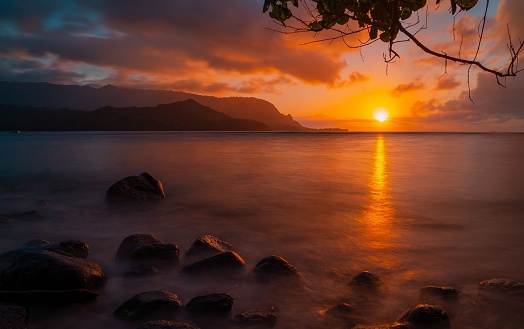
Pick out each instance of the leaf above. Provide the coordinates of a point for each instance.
(406, 13)
(315, 26)
(266, 5)
(343, 20)
(295, 3)
(385, 36)
(373, 33)
(466, 4)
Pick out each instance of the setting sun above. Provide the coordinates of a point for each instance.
(381, 114)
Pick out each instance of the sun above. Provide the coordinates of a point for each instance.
(381, 114)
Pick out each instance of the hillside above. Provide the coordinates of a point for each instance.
(185, 115)
(87, 98)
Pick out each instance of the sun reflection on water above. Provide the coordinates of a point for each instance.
(380, 213)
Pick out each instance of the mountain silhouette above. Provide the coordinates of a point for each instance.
(186, 115)
(86, 98)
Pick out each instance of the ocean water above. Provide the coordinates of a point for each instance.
(415, 209)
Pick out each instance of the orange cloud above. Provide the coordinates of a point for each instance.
(405, 88)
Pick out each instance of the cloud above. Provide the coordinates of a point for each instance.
(357, 77)
(189, 40)
(492, 104)
(447, 83)
(405, 88)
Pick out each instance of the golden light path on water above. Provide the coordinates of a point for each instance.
(380, 213)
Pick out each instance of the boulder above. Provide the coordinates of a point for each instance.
(431, 293)
(13, 316)
(273, 267)
(142, 272)
(382, 326)
(213, 304)
(133, 241)
(343, 310)
(424, 316)
(36, 242)
(366, 280)
(207, 245)
(160, 255)
(5, 222)
(49, 267)
(142, 188)
(255, 318)
(161, 324)
(496, 288)
(48, 296)
(148, 304)
(225, 264)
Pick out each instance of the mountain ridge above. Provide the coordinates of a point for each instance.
(87, 98)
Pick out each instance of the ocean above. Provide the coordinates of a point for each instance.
(416, 209)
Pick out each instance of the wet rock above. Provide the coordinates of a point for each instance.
(49, 296)
(161, 324)
(424, 316)
(341, 310)
(160, 255)
(76, 248)
(36, 242)
(225, 264)
(142, 188)
(275, 267)
(30, 216)
(133, 241)
(207, 245)
(148, 304)
(13, 316)
(438, 293)
(255, 318)
(142, 272)
(382, 326)
(213, 304)
(501, 287)
(48, 267)
(366, 280)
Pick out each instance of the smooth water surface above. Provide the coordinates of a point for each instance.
(416, 209)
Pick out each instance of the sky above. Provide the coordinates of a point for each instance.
(230, 48)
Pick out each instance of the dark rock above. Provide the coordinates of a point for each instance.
(42, 202)
(256, 318)
(76, 248)
(275, 267)
(433, 292)
(142, 188)
(38, 268)
(36, 242)
(5, 222)
(341, 310)
(382, 326)
(142, 272)
(425, 316)
(161, 324)
(501, 287)
(13, 316)
(160, 255)
(31, 216)
(148, 304)
(213, 304)
(366, 280)
(224, 264)
(133, 241)
(207, 245)
(49, 296)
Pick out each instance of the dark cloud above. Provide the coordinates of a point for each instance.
(30, 70)
(405, 88)
(491, 104)
(178, 38)
(447, 83)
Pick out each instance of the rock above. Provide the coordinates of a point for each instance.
(341, 310)
(5, 222)
(495, 288)
(366, 280)
(48, 267)
(142, 188)
(425, 316)
(273, 267)
(161, 324)
(147, 304)
(207, 245)
(142, 272)
(13, 316)
(36, 242)
(42, 202)
(49, 296)
(160, 255)
(213, 304)
(31, 216)
(228, 263)
(255, 318)
(433, 292)
(382, 326)
(133, 241)
(76, 248)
